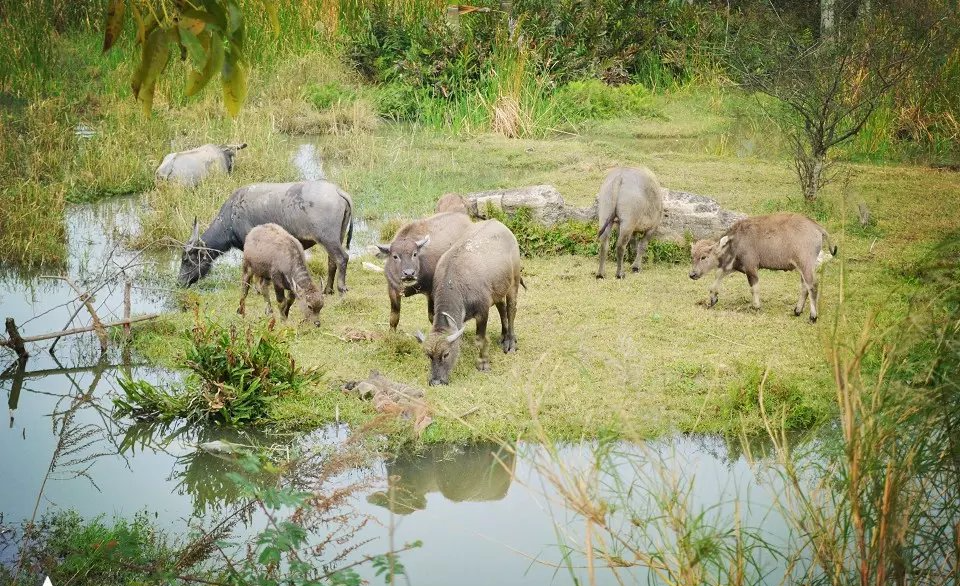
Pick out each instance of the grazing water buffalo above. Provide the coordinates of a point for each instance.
(272, 255)
(190, 167)
(313, 212)
(413, 255)
(781, 242)
(633, 198)
(451, 202)
(480, 270)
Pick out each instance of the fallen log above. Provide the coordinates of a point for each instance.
(16, 341)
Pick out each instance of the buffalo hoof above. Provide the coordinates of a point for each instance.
(813, 319)
(509, 345)
(599, 276)
(635, 269)
(797, 312)
(483, 365)
(620, 276)
(437, 382)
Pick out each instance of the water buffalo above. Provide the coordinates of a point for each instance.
(313, 212)
(190, 167)
(481, 269)
(413, 255)
(472, 473)
(451, 202)
(781, 242)
(633, 198)
(272, 256)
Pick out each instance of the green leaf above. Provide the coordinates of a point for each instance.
(234, 77)
(111, 31)
(212, 44)
(153, 59)
(194, 47)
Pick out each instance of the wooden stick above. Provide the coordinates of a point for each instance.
(65, 326)
(87, 300)
(126, 308)
(13, 342)
(11, 372)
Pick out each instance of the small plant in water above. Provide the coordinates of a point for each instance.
(234, 378)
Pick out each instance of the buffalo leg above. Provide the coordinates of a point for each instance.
(641, 249)
(483, 359)
(331, 273)
(394, 307)
(715, 288)
(340, 257)
(754, 282)
(284, 299)
(623, 240)
(808, 278)
(244, 290)
(430, 307)
(265, 291)
(604, 248)
(505, 338)
(511, 318)
(802, 300)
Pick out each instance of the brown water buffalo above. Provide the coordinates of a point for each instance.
(272, 256)
(634, 199)
(780, 242)
(451, 202)
(480, 270)
(413, 255)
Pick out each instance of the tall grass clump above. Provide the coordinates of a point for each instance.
(234, 377)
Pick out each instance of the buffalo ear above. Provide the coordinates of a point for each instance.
(456, 335)
(423, 242)
(419, 337)
(724, 242)
(384, 248)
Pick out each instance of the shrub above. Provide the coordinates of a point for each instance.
(326, 95)
(593, 99)
(234, 378)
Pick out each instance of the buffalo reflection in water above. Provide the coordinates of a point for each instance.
(481, 472)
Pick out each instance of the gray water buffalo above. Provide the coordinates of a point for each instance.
(480, 270)
(188, 168)
(451, 202)
(634, 199)
(273, 257)
(413, 255)
(313, 212)
(780, 242)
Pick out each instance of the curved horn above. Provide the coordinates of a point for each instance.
(449, 317)
(419, 336)
(456, 335)
(423, 241)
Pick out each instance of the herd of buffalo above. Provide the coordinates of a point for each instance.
(463, 267)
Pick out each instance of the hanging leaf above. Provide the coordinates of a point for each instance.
(145, 23)
(217, 14)
(156, 53)
(195, 49)
(115, 12)
(234, 77)
(194, 25)
(212, 45)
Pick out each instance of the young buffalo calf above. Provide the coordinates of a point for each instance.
(781, 242)
(272, 255)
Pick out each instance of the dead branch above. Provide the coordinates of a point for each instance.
(16, 341)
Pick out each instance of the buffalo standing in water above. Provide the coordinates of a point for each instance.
(313, 212)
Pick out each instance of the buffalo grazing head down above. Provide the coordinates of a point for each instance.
(196, 260)
(705, 256)
(442, 348)
(403, 258)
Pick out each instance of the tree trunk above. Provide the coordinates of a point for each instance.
(827, 18)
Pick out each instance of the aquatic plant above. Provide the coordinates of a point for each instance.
(234, 377)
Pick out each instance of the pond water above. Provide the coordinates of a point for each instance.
(485, 516)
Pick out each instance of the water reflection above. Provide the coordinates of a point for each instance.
(481, 472)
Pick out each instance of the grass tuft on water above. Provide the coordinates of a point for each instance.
(235, 377)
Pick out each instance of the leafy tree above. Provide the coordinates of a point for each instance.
(209, 33)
